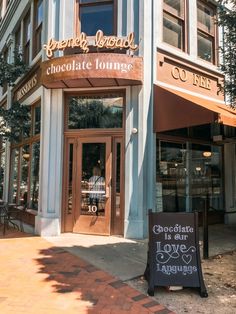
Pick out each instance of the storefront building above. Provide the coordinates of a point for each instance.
(195, 131)
(126, 114)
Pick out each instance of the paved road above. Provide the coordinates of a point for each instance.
(38, 277)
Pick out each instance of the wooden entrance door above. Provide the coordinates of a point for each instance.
(88, 197)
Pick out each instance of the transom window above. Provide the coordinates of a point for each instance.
(95, 111)
(96, 14)
(174, 23)
(206, 32)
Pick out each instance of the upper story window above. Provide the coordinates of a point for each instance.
(26, 38)
(18, 39)
(96, 14)
(38, 22)
(2, 159)
(6, 56)
(206, 32)
(174, 21)
(1, 9)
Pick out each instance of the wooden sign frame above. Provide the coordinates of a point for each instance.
(175, 241)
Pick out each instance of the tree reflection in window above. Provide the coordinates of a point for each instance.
(99, 111)
(34, 176)
(2, 172)
(25, 157)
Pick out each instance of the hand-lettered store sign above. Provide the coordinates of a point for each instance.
(82, 42)
(173, 256)
(94, 69)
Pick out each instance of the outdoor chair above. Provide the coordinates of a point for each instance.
(11, 215)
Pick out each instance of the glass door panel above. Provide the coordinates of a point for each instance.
(93, 197)
(93, 191)
(93, 186)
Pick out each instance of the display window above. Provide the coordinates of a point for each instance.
(25, 160)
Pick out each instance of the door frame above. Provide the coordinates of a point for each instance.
(68, 219)
(72, 134)
(99, 224)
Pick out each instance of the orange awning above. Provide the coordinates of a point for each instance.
(174, 109)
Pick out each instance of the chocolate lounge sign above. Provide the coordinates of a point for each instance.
(94, 64)
(92, 69)
(82, 42)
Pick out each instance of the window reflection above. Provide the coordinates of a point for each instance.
(2, 172)
(174, 23)
(14, 175)
(206, 31)
(39, 15)
(186, 175)
(25, 158)
(97, 15)
(205, 17)
(87, 112)
(205, 47)
(34, 176)
(173, 31)
(26, 128)
(38, 26)
(26, 38)
(176, 5)
(37, 120)
(93, 179)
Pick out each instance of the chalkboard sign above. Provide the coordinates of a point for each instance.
(173, 254)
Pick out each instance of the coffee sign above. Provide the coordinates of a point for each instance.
(173, 257)
(100, 41)
(183, 75)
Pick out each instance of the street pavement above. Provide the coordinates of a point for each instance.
(39, 277)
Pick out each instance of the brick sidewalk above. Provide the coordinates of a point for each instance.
(39, 278)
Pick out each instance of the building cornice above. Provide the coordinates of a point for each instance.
(203, 66)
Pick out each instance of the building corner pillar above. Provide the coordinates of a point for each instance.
(48, 220)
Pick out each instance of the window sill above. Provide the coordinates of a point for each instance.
(32, 212)
(27, 215)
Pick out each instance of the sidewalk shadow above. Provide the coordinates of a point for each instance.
(69, 273)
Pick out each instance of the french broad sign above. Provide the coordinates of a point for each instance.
(173, 253)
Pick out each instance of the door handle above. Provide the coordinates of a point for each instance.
(107, 195)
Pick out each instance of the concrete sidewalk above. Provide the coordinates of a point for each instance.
(127, 259)
(120, 257)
